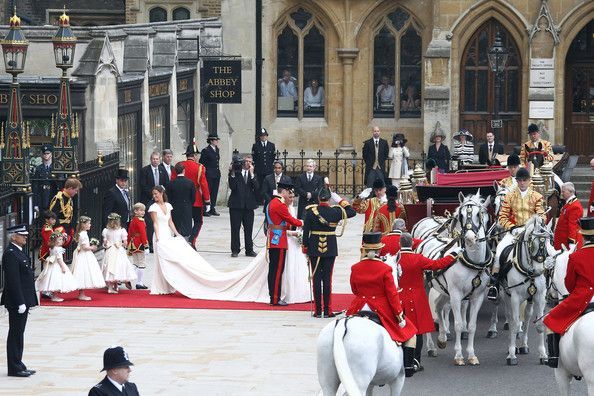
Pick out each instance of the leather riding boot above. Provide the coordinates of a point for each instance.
(553, 347)
(409, 361)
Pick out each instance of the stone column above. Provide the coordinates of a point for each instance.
(347, 56)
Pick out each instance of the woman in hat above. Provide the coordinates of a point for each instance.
(438, 151)
(463, 147)
(399, 155)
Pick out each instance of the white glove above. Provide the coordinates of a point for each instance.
(516, 231)
(22, 308)
(384, 199)
(326, 180)
(549, 263)
(457, 250)
(365, 193)
(571, 246)
(207, 209)
(335, 197)
(402, 323)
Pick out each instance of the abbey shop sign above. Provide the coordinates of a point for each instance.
(221, 81)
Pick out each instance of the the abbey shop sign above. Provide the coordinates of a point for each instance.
(221, 81)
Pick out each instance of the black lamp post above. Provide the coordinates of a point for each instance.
(498, 55)
(14, 137)
(65, 125)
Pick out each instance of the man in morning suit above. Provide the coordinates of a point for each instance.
(210, 157)
(166, 165)
(319, 243)
(272, 180)
(117, 364)
(18, 296)
(307, 187)
(489, 149)
(375, 154)
(117, 199)
(181, 194)
(263, 153)
(242, 203)
(279, 219)
(44, 187)
(150, 176)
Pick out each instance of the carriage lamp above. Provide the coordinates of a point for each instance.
(538, 182)
(546, 171)
(407, 195)
(419, 178)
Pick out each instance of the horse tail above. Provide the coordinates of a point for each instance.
(341, 360)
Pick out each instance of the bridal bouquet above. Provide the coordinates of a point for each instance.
(94, 242)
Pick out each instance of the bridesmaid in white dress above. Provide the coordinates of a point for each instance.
(85, 267)
(56, 276)
(117, 268)
(399, 155)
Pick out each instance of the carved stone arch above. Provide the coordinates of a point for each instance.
(375, 14)
(318, 15)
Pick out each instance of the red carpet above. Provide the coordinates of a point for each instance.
(142, 299)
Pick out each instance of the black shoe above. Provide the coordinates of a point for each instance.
(46, 295)
(317, 315)
(22, 374)
(493, 293)
(331, 314)
(234, 254)
(31, 371)
(206, 214)
(214, 213)
(141, 287)
(251, 254)
(409, 361)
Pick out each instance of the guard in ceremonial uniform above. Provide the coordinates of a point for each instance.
(391, 240)
(513, 164)
(371, 206)
(579, 281)
(319, 243)
(279, 220)
(519, 205)
(535, 150)
(375, 290)
(18, 296)
(44, 186)
(567, 229)
(62, 205)
(389, 212)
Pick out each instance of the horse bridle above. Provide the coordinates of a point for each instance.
(468, 224)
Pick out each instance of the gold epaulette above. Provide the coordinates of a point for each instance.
(310, 206)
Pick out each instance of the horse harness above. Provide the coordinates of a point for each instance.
(361, 314)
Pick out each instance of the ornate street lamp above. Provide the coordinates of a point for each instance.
(498, 55)
(65, 125)
(14, 137)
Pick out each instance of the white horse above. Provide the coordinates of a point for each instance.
(429, 226)
(467, 277)
(529, 255)
(359, 354)
(577, 344)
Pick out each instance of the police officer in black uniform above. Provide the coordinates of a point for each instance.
(264, 154)
(18, 296)
(210, 157)
(44, 186)
(319, 243)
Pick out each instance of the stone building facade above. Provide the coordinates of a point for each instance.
(433, 55)
(143, 11)
(82, 12)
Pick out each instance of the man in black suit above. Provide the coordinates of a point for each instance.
(264, 154)
(117, 364)
(242, 203)
(18, 296)
(44, 185)
(181, 193)
(209, 157)
(307, 187)
(150, 176)
(117, 200)
(166, 165)
(489, 149)
(375, 154)
(272, 180)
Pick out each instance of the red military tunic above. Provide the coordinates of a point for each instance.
(373, 284)
(46, 232)
(197, 174)
(391, 243)
(370, 207)
(579, 281)
(413, 295)
(591, 202)
(278, 212)
(567, 228)
(384, 218)
(137, 239)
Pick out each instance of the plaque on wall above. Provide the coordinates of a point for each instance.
(541, 109)
(542, 63)
(221, 80)
(542, 78)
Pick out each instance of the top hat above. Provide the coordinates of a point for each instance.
(122, 174)
(115, 357)
(47, 147)
(263, 132)
(392, 191)
(285, 185)
(379, 183)
(513, 160)
(399, 136)
(20, 229)
(533, 128)
(463, 132)
(587, 225)
(211, 137)
(372, 240)
(522, 174)
(324, 194)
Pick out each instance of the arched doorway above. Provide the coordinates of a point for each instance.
(579, 93)
(477, 87)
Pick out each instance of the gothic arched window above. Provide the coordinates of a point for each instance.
(158, 14)
(181, 13)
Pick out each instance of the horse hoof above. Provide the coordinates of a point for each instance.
(473, 361)
(464, 335)
(449, 336)
(524, 350)
(441, 344)
(459, 362)
(492, 334)
(506, 326)
(544, 361)
(432, 353)
(512, 361)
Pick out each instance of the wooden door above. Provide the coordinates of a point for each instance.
(477, 88)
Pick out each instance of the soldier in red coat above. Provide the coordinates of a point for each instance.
(373, 285)
(49, 221)
(567, 229)
(389, 212)
(279, 220)
(412, 294)
(391, 241)
(138, 243)
(196, 172)
(579, 281)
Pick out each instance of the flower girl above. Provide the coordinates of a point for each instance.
(56, 276)
(116, 266)
(85, 267)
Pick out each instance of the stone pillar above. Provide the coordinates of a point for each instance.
(347, 56)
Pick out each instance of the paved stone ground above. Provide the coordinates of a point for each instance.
(207, 352)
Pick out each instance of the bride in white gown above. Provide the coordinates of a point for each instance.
(180, 268)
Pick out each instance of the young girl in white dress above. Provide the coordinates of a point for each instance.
(116, 265)
(56, 276)
(85, 266)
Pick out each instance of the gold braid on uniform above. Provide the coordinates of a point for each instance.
(65, 207)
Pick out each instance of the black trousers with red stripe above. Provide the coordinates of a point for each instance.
(322, 282)
(276, 267)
